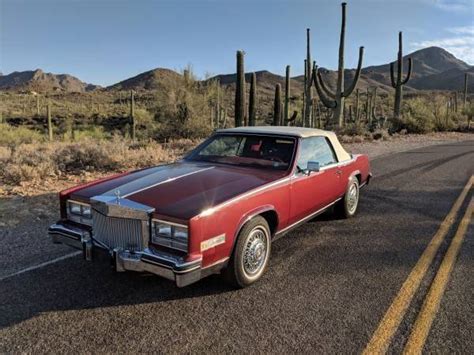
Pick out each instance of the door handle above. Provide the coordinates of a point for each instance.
(339, 172)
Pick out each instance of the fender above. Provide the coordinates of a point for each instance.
(354, 173)
(249, 215)
(64, 195)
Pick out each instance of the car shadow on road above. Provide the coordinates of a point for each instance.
(74, 284)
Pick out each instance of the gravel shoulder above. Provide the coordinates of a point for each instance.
(401, 143)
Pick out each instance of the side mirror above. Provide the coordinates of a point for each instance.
(313, 166)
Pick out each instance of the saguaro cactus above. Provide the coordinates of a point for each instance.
(303, 107)
(37, 105)
(218, 104)
(287, 95)
(464, 99)
(133, 125)
(335, 100)
(367, 106)
(253, 100)
(399, 82)
(50, 121)
(309, 92)
(277, 106)
(374, 104)
(357, 108)
(240, 91)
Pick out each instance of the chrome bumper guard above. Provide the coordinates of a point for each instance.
(165, 265)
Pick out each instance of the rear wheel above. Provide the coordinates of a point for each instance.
(251, 253)
(347, 207)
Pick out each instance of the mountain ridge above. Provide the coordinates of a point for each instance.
(40, 81)
(434, 69)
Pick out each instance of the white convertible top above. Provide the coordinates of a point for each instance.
(301, 132)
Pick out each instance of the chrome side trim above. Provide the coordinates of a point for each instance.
(149, 261)
(170, 223)
(220, 261)
(79, 203)
(280, 233)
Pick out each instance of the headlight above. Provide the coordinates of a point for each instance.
(79, 212)
(169, 234)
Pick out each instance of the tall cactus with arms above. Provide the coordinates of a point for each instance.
(335, 100)
(277, 106)
(399, 82)
(239, 115)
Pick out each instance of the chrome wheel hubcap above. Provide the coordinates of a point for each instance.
(255, 251)
(352, 198)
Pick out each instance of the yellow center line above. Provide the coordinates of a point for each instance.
(431, 304)
(390, 322)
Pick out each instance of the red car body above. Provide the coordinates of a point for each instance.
(213, 201)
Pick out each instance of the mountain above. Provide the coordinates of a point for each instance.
(156, 79)
(37, 80)
(434, 69)
(451, 79)
(427, 61)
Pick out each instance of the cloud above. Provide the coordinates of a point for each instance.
(463, 30)
(453, 5)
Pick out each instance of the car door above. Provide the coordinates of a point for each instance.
(311, 191)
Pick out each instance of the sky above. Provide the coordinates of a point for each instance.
(105, 41)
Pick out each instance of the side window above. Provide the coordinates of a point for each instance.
(315, 149)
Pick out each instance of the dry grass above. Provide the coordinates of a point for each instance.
(33, 162)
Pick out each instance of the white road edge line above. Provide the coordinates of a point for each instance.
(46, 263)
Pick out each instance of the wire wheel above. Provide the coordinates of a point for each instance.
(352, 198)
(255, 252)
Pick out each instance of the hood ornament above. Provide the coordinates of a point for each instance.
(117, 196)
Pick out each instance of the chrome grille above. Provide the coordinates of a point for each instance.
(116, 232)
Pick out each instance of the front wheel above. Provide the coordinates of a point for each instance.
(347, 207)
(251, 253)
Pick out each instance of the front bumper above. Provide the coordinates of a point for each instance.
(166, 265)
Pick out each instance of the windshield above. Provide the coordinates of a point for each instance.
(246, 150)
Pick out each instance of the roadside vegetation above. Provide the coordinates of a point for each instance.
(26, 157)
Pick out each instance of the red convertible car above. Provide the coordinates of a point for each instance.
(219, 209)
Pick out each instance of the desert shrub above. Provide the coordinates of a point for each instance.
(5, 154)
(353, 129)
(448, 122)
(37, 161)
(417, 117)
(29, 162)
(380, 134)
(90, 155)
(96, 133)
(14, 136)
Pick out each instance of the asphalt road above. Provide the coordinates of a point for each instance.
(328, 286)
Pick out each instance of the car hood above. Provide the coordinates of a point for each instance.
(181, 190)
